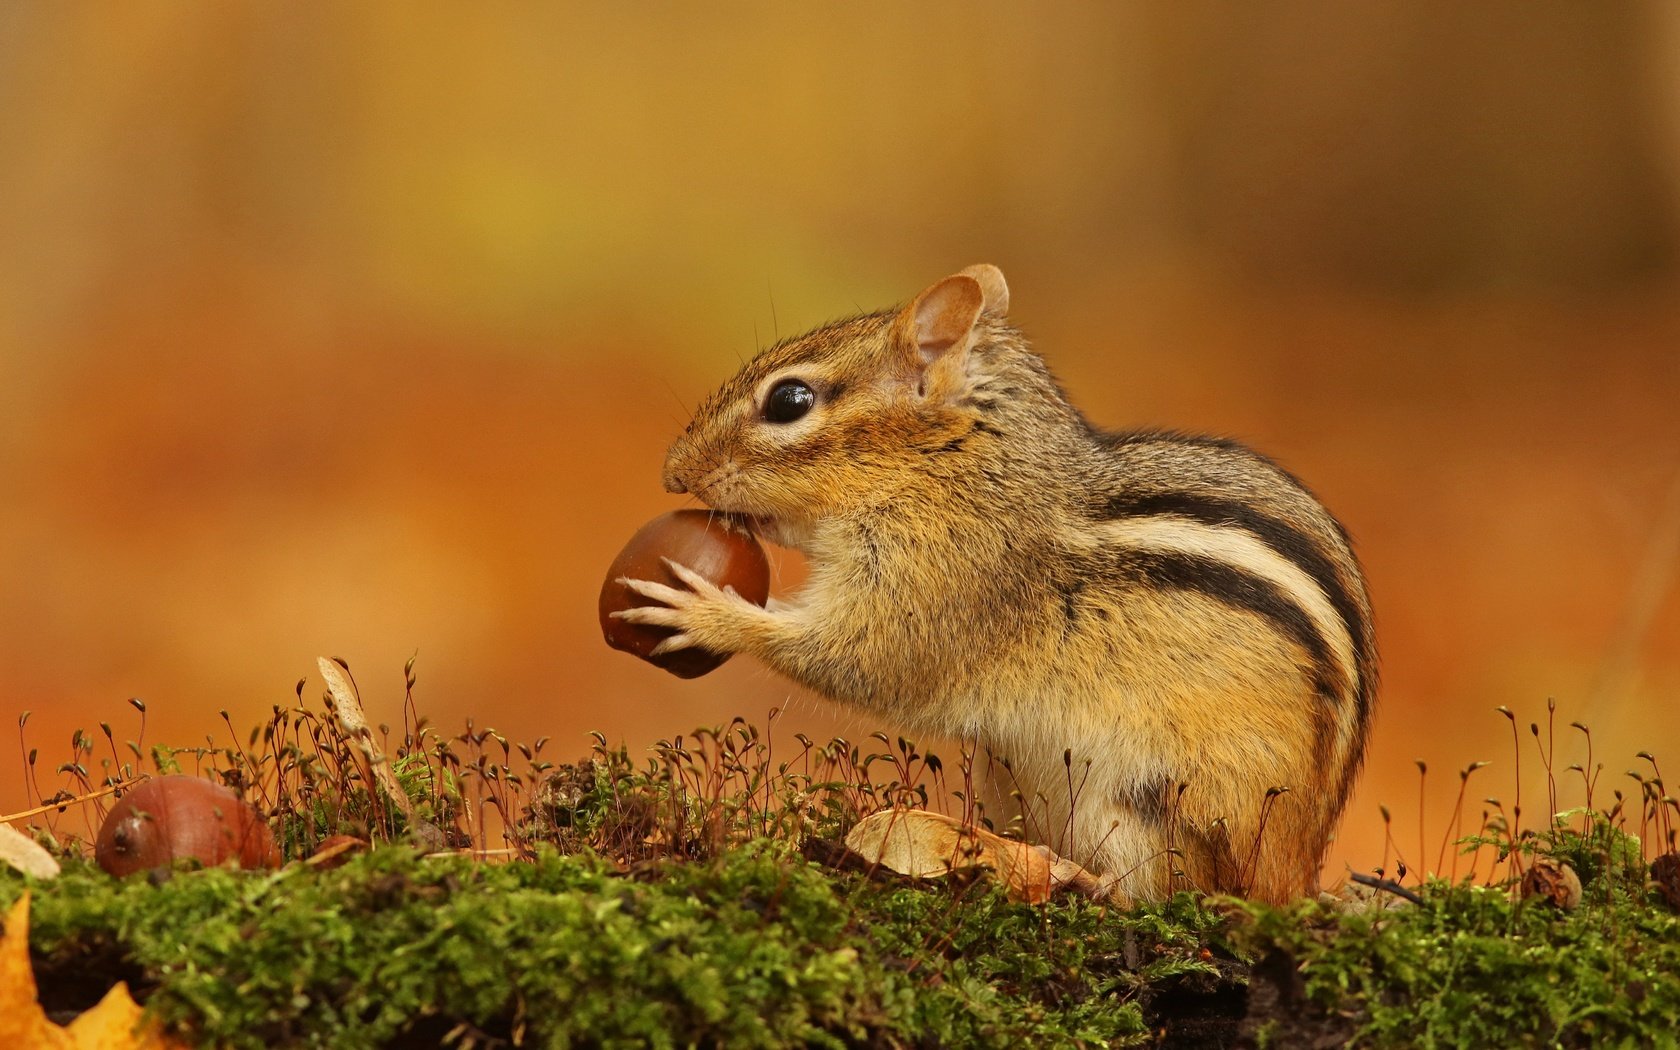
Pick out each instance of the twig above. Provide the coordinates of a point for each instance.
(1387, 885)
(75, 801)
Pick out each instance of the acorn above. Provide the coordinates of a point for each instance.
(717, 546)
(175, 817)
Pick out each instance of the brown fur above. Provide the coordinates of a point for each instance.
(1154, 631)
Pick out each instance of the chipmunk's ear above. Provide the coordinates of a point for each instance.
(935, 331)
(992, 286)
(939, 323)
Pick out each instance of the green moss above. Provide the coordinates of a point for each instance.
(758, 947)
(1473, 966)
(666, 903)
(754, 949)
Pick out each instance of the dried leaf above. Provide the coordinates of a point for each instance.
(375, 767)
(922, 844)
(1552, 881)
(25, 854)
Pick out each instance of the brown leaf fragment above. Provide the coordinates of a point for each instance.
(1552, 881)
(1666, 871)
(927, 845)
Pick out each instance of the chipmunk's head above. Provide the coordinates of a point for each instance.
(838, 418)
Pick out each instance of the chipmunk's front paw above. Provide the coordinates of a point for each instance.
(703, 616)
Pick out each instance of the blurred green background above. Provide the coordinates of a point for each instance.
(360, 329)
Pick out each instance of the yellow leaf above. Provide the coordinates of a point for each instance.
(21, 1021)
(116, 1023)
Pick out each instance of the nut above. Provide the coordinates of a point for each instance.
(176, 817)
(717, 546)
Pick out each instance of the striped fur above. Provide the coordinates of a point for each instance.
(1280, 524)
(1281, 541)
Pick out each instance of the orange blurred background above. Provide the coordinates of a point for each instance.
(361, 329)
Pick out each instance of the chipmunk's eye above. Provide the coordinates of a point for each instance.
(787, 401)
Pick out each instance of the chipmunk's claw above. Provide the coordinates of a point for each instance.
(696, 583)
(699, 612)
(673, 644)
(647, 616)
(673, 597)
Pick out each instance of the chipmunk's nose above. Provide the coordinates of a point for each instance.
(672, 482)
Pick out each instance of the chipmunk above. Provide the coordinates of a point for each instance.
(1166, 640)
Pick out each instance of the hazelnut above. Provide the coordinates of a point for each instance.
(174, 817)
(717, 546)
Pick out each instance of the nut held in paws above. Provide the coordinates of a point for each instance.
(714, 545)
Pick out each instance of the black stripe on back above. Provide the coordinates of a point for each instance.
(1230, 586)
(1284, 539)
(1168, 570)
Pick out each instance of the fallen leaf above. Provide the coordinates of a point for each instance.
(25, 854)
(116, 1023)
(1552, 881)
(21, 1021)
(922, 844)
